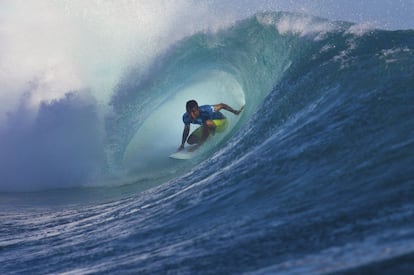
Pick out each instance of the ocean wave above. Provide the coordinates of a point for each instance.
(316, 170)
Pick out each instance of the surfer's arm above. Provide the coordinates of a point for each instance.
(226, 107)
(186, 132)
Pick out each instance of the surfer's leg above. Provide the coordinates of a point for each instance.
(202, 133)
(208, 128)
(192, 139)
(195, 136)
(221, 125)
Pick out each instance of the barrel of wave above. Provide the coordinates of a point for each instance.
(161, 133)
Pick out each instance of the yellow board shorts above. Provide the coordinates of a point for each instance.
(221, 126)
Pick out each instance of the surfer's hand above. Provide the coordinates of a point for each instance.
(239, 111)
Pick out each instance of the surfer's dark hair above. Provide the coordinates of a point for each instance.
(190, 105)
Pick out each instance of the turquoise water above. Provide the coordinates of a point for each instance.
(314, 177)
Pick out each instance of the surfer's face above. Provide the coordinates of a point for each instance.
(194, 113)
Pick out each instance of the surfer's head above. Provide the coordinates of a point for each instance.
(192, 109)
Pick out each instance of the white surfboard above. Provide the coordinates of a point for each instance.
(181, 155)
(186, 153)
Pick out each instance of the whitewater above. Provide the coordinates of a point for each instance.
(314, 177)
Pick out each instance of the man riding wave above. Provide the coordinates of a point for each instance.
(209, 117)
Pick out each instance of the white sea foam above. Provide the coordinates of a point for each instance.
(303, 26)
(298, 24)
(51, 47)
(361, 29)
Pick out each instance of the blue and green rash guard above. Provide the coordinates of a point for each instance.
(206, 113)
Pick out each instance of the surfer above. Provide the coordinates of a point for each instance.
(209, 117)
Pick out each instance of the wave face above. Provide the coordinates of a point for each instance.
(314, 177)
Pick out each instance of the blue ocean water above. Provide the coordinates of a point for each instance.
(314, 177)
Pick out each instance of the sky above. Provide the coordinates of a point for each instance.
(385, 14)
